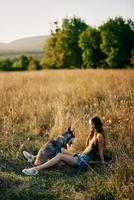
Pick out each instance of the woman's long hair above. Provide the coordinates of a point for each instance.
(99, 128)
(98, 124)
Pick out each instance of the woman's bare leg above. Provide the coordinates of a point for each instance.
(59, 157)
(65, 151)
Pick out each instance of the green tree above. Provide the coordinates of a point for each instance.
(53, 57)
(132, 58)
(21, 63)
(33, 64)
(62, 49)
(90, 44)
(5, 65)
(131, 24)
(116, 36)
(71, 30)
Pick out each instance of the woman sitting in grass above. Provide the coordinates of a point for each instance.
(94, 150)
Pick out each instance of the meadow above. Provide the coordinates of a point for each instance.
(37, 106)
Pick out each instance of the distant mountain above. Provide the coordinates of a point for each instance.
(30, 44)
(2, 45)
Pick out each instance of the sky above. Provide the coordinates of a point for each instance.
(26, 18)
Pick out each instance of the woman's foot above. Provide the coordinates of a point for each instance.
(31, 171)
(28, 156)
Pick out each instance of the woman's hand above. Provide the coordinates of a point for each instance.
(75, 154)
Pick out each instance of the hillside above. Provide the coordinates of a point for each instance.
(30, 44)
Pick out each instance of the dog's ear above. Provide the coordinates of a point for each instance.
(69, 129)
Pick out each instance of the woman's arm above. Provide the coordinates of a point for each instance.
(101, 147)
(87, 141)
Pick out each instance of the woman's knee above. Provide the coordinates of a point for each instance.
(63, 150)
(60, 156)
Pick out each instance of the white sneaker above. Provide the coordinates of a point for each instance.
(28, 156)
(31, 171)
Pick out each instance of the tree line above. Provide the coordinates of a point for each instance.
(78, 45)
(21, 63)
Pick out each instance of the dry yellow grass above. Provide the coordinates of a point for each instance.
(35, 106)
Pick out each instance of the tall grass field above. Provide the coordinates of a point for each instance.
(38, 106)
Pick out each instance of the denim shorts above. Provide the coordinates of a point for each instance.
(82, 160)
